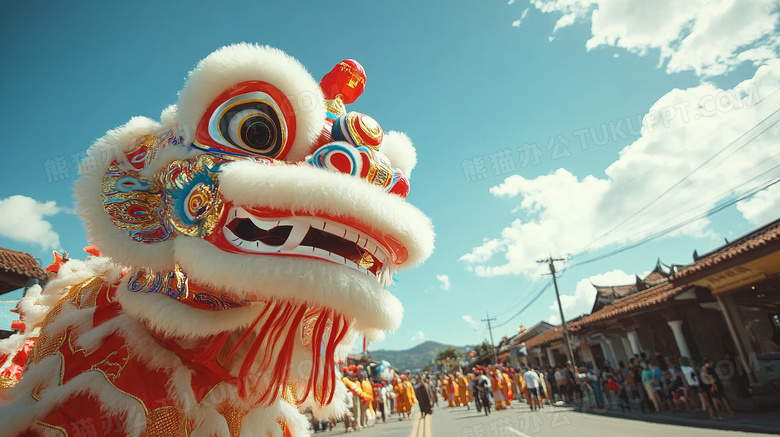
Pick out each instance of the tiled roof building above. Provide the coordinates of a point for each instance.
(725, 303)
(16, 268)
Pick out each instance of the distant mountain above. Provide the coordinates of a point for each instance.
(416, 357)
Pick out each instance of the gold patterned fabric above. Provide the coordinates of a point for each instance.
(234, 416)
(166, 422)
(7, 382)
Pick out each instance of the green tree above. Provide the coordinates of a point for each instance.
(452, 353)
(483, 349)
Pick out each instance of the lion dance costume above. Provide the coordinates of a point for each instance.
(246, 240)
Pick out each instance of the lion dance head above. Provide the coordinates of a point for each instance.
(246, 240)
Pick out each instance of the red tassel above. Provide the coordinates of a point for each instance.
(275, 330)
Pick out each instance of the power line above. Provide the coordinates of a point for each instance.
(710, 200)
(535, 298)
(679, 225)
(644, 208)
(514, 304)
(658, 234)
(647, 208)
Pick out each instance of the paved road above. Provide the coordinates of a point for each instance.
(521, 422)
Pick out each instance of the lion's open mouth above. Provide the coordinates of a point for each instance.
(311, 237)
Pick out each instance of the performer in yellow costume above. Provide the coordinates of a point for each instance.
(368, 400)
(463, 389)
(409, 389)
(401, 405)
(454, 390)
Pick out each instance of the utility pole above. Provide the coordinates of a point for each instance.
(560, 308)
(488, 320)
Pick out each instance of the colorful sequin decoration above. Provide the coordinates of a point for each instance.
(174, 283)
(192, 202)
(132, 204)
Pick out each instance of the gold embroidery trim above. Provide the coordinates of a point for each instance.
(47, 345)
(112, 368)
(87, 295)
(49, 425)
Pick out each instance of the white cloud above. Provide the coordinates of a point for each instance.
(470, 320)
(23, 220)
(517, 23)
(697, 149)
(484, 252)
(581, 302)
(445, 281)
(565, 21)
(510, 2)
(761, 208)
(418, 336)
(554, 319)
(709, 37)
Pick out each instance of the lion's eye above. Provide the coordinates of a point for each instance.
(252, 118)
(254, 126)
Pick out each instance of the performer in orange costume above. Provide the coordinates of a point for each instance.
(409, 390)
(521, 382)
(497, 386)
(463, 389)
(403, 406)
(507, 388)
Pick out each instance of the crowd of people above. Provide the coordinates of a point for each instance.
(646, 385)
(372, 400)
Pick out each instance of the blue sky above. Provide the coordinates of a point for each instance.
(546, 128)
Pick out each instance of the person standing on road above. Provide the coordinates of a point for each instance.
(463, 389)
(507, 389)
(572, 388)
(719, 401)
(348, 417)
(367, 408)
(402, 402)
(381, 393)
(350, 381)
(409, 389)
(692, 379)
(532, 384)
(592, 375)
(544, 387)
(497, 388)
(648, 382)
(637, 389)
(482, 384)
(619, 376)
(423, 394)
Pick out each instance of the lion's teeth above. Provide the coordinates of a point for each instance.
(300, 228)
